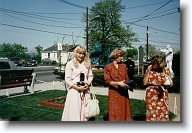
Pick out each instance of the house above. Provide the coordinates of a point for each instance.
(54, 54)
(96, 53)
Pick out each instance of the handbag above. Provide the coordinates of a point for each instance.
(168, 80)
(92, 106)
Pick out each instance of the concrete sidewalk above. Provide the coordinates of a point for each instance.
(137, 94)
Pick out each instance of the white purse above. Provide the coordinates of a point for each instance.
(92, 106)
(168, 80)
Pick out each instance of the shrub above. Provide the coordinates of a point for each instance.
(98, 80)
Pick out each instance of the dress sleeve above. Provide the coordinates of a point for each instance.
(90, 75)
(107, 75)
(68, 75)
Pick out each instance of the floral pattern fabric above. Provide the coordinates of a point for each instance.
(157, 96)
(118, 98)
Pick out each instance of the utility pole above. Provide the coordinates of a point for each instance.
(147, 44)
(87, 29)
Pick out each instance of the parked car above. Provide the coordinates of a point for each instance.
(48, 61)
(136, 63)
(101, 65)
(17, 61)
(58, 72)
(30, 62)
(14, 76)
(8, 68)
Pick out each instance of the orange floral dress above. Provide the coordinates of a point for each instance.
(156, 96)
(118, 98)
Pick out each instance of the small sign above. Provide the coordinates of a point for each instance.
(140, 55)
(59, 46)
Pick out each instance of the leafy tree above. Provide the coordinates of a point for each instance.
(152, 51)
(13, 50)
(39, 49)
(176, 63)
(105, 26)
(131, 51)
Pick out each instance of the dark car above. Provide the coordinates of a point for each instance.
(17, 61)
(60, 71)
(30, 62)
(48, 61)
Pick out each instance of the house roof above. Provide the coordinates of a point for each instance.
(66, 47)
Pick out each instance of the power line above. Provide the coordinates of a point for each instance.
(157, 36)
(154, 13)
(164, 31)
(164, 42)
(37, 30)
(150, 13)
(160, 40)
(157, 29)
(161, 15)
(72, 4)
(29, 15)
(39, 23)
(35, 14)
(144, 5)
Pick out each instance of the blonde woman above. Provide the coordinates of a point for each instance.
(77, 94)
(115, 74)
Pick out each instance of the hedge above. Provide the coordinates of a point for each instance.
(99, 81)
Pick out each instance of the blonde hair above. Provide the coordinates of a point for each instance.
(116, 53)
(80, 49)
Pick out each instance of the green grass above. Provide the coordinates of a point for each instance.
(27, 108)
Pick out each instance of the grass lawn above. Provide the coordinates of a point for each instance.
(27, 108)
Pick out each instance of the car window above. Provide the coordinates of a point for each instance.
(4, 65)
(14, 59)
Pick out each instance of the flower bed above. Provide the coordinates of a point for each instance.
(55, 102)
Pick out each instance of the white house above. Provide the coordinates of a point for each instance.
(54, 54)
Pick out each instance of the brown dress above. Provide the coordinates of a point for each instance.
(118, 97)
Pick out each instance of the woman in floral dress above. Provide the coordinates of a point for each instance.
(157, 78)
(115, 74)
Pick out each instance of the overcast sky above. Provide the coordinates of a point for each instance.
(41, 22)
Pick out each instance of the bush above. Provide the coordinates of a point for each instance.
(98, 80)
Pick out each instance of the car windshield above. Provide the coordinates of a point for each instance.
(14, 59)
(29, 59)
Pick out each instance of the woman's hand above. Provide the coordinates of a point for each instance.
(83, 88)
(80, 88)
(122, 84)
(150, 68)
(145, 80)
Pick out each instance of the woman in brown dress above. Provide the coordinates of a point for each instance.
(115, 74)
(157, 78)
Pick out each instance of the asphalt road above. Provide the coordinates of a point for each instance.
(44, 73)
